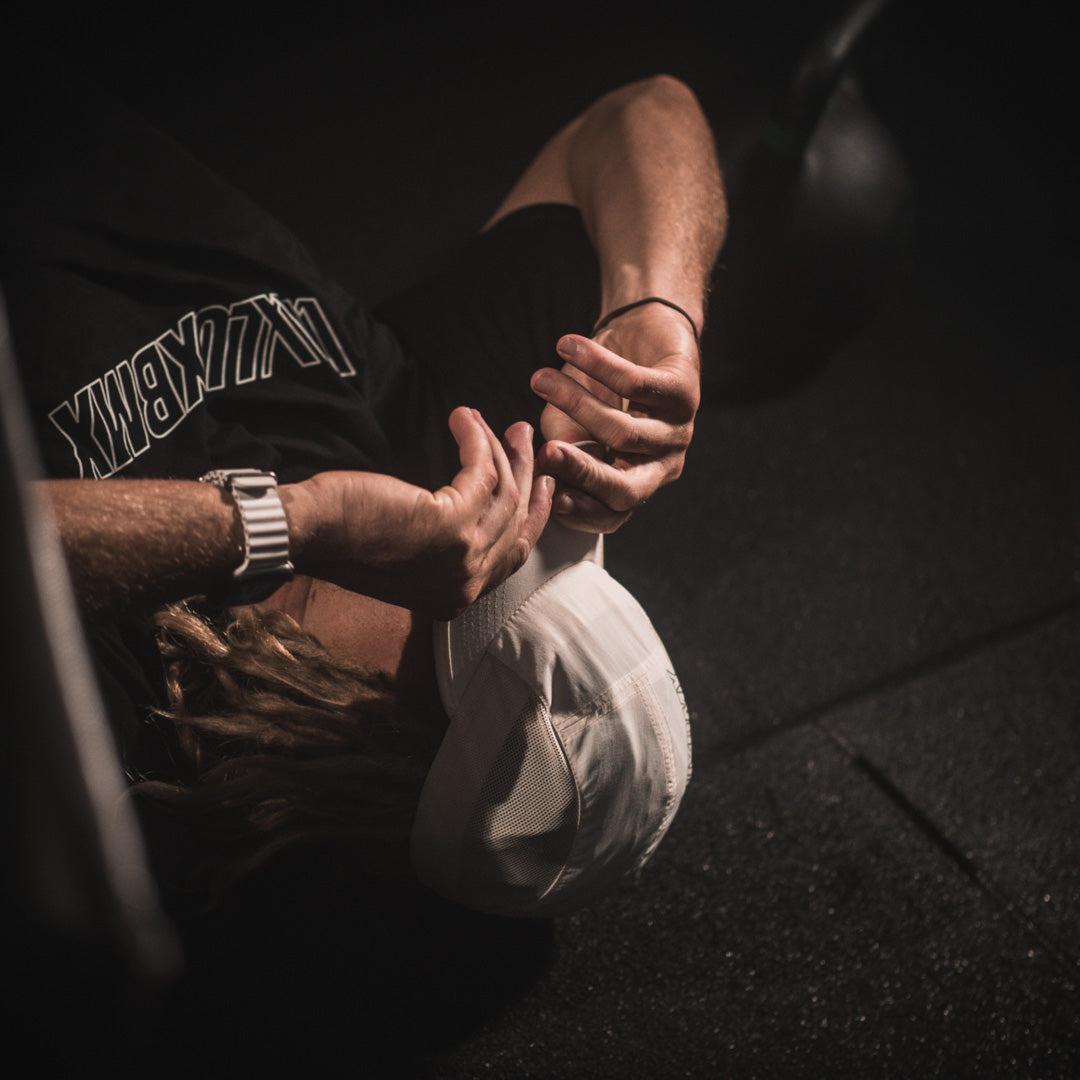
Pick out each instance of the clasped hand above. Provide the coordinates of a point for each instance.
(431, 551)
(636, 389)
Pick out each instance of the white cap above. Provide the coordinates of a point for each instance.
(568, 749)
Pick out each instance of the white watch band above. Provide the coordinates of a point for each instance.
(265, 529)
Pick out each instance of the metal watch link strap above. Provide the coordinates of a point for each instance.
(266, 563)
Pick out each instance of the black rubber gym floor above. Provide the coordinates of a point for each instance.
(869, 583)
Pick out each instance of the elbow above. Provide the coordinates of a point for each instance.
(667, 89)
(664, 93)
(660, 105)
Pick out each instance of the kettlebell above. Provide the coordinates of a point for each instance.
(821, 209)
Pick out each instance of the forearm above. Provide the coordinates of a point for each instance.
(133, 545)
(643, 171)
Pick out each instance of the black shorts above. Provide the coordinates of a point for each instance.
(473, 333)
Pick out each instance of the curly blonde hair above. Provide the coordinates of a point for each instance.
(284, 744)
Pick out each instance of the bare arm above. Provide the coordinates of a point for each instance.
(132, 545)
(643, 171)
(641, 166)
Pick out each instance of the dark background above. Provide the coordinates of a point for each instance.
(868, 578)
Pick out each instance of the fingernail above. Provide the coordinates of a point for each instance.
(564, 504)
(547, 484)
(476, 413)
(567, 347)
(542, 382)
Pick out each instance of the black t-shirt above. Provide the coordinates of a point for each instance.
(164, 325)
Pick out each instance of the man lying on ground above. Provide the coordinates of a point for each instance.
(326, 598)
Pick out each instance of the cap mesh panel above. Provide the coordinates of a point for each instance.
(522, 829)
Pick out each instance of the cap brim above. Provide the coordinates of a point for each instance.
(460, 643)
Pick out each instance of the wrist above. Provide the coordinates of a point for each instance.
(626, 283)
(651, 315)
(307, 519)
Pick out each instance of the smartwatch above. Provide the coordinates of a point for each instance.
(266, 564)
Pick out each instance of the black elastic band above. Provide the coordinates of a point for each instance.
(638, 303)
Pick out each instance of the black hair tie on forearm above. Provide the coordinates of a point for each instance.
(638, 303)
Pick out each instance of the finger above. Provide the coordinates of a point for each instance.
(541, 498)
(469, 435)
(617, 489)
(519, 441)
(516, 552)
(606, 423)
(555, 424)
(499, 514)
(515, 544)
(534, 499)
(582, 512)
(479, 476)
(498, 454)
(659, 389)
(539, 506)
